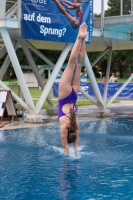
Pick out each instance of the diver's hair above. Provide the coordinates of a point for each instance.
(73, 123)
(73, 127)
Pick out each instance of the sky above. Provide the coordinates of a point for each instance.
(97, 6)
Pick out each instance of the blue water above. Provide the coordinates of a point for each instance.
(33, 167)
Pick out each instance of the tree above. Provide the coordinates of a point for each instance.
(114, 8)
(121, 60)
(10, 4)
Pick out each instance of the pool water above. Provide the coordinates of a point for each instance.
(33, 167)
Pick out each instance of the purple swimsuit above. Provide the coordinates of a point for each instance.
(71, 98)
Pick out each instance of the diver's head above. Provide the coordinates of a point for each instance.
(71, 137)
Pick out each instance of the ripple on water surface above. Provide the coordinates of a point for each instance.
(33, 166)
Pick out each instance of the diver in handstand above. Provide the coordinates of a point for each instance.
(68, 89)
(75, 5)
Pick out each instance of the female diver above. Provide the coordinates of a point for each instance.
(75, 5)
(68, 89)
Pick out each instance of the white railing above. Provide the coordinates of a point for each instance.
(13, 12)
(121, 11)
(131, 7)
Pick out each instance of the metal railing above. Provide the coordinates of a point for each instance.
(121, 11)
(14, 11)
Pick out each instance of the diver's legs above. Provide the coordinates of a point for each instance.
(68, 79)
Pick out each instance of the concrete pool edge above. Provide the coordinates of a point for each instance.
(122, 108)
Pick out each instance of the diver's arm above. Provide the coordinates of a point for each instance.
(75, 145)
(67, 6)
(70, 3)
(64, 141)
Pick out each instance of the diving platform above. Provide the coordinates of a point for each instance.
(109, 33)
(117, 34)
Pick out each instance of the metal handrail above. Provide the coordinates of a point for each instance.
(16, 9)
(121, 11)
(12, 11)
(10, 1)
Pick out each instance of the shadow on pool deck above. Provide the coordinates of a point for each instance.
(122, 108)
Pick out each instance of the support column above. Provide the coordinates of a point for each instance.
(93, 82)
(19, 100)
(35, 70)
(7, 62)
(107, 77)
(53, 76)
(131, 7)
(51, 64)
(121, 7)
(43, 57)
(102, 15)
(17, 68)
(88, 96)
(96, 60)
(19, 10)
(3, 51)
(49, 73)
(2, 8)
(119, 91)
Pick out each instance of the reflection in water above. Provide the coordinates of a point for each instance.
(36, 168)
(68, 182)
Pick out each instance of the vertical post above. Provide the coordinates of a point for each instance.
(7, 62)
(119, 91)
(131, 6)
(107, 77)
(23, 108)
(17, 68)
(93, 80)
(121, 7)
(49, 73)
(19, 10)
(35, 70)
(19, 97)
(102, 15)
(2, 8)
(50, 82)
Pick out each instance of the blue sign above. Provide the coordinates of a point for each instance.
(56, 20)
(127, 92)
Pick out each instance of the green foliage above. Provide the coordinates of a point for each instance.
(121, 60)
(9, 4)
(114, 8)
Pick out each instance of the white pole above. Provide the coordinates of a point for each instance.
(121, 7)
(131, 6)
(16, 66)
(107, 77)
(52, 64)
(102, 15)
(35, 70)
(22, 103)
(96, 60)
(2, 8)
(119, 91)
(7, 62)
(53, 76)
(93, 80)
(3, 51)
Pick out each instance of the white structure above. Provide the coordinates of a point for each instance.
(30, 79)
(106, 38)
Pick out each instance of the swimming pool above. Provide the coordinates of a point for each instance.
(32, 165)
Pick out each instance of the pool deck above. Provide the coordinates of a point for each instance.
(122, 108)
